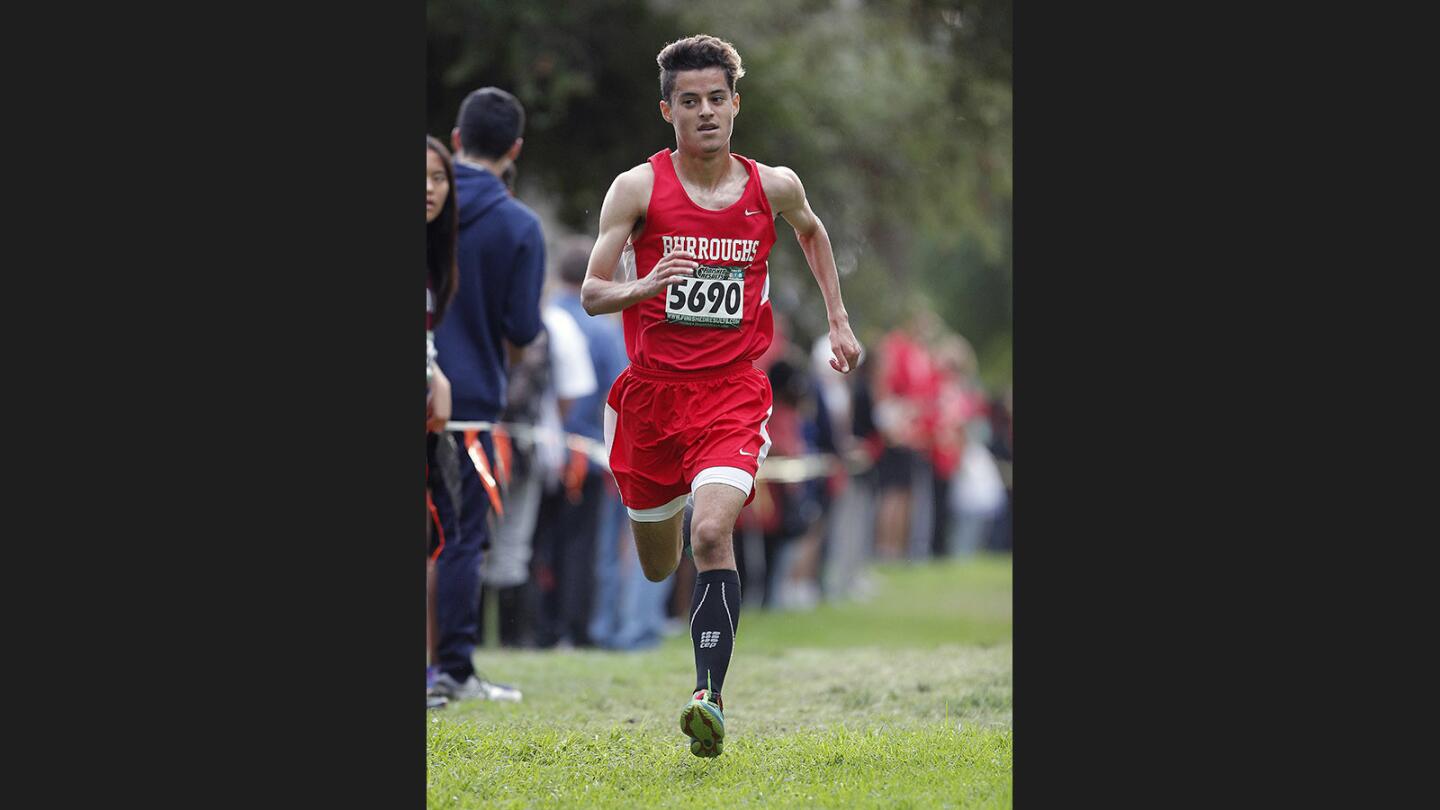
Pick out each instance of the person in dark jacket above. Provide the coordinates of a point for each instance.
(501, 256)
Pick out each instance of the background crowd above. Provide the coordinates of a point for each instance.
(910, 458)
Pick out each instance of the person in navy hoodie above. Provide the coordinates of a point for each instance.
(501, 255)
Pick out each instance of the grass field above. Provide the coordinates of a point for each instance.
(902, 700)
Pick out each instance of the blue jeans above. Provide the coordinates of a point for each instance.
(642, 602)
(606, 619)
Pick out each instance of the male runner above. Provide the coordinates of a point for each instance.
(688, 415)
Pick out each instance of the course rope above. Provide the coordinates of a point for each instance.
(778, 469)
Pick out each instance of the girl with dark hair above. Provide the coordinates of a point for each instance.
(441, 276)
(441, 224)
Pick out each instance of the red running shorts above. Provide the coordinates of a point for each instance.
(669, 433)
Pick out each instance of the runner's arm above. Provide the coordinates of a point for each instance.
(623, 207)
(787, 197)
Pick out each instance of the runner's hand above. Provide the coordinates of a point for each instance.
(845, 348)
(675, 266)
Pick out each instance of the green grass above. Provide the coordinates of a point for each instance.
(901, 700)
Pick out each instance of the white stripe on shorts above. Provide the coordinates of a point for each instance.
(764, 448)
(734, 476)
(659, 513)
(610, 419)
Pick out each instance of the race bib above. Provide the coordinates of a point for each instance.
(714, 296)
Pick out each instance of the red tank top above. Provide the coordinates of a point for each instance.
(722, 314)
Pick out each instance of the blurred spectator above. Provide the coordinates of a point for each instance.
(564, 562)
(639, 617)
(501, 254)
(978, 497)
(900, 391)
(779, 507)
(506, 568)
(1002, 446)
(752, 553)
(791, 547)
(847, 519)
(976, 494)
(825, 427)
(834, 394)
(955, 402)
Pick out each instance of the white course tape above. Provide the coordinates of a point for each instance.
(777, 469)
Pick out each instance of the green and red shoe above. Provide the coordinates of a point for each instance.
(704, 722)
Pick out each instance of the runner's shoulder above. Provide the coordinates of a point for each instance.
(636, 180)
(780, 183)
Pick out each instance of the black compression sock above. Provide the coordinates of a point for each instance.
(714, 617)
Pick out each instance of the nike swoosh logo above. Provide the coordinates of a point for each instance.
(752, 213)
(743, 453)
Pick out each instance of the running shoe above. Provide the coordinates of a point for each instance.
(703, 721)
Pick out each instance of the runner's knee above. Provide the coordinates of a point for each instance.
(709, 534)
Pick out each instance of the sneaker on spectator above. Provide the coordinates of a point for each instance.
(473, 687)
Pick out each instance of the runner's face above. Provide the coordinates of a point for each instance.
(437, 186)
(702, 109)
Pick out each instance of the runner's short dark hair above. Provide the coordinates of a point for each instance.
(697, 53)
